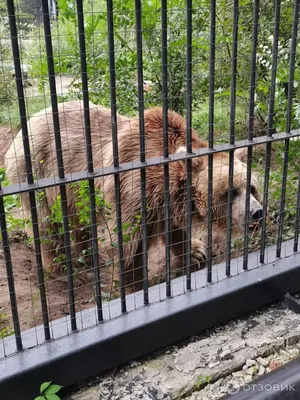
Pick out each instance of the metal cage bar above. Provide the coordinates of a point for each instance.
(10, 276)
(167, 216)
(250, 130)
(113, 102)
(232, 132)
(87, 123)
(189, 7)
(60, 164)
(211, 134)
(270, 130)
(139, 46)
(288, 124)
(28, 163)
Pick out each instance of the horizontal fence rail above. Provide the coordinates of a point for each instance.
(155, 161)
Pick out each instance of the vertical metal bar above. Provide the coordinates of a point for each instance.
(10, 275)
(28, 164)
(139, 46)
(232, 131)
(111, 46)
(164, 45)
(288, 125)
(189, 140)
(60, 164)
(250, 131)
(297, 221)
(270, 129)
(89, 154)
(211, 133)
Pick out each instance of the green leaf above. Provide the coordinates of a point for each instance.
(52, 389)
(52, 397)
(44, 386)
(40, 398)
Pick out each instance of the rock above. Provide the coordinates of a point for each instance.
(250, 363)
(238, 374)
(151, 372)
(191, 365)
(213, 364)
(261, 370)
(248, 378)
(283, 353)
(204, 342)
(220, 339)
(256, 343)
(281, 330)
(135, 364)
(293, 352)
(237, 345)
(292, 337)
(226, 347)
(262, 361)
(252, 370)
(274, 365)
(226, 355)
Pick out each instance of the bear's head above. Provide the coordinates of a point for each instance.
(220, 183)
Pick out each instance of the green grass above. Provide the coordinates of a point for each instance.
(10, 115)
(221, 120)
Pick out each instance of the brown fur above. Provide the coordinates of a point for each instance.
(74, 153)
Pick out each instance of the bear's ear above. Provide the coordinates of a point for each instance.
(181, 166)
(241, 154)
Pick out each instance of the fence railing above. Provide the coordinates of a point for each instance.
(238, 284)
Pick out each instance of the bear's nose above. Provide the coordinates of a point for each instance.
(257, 215)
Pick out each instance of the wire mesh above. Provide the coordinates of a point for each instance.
(158, 164)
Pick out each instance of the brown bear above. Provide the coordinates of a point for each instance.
(71, 120)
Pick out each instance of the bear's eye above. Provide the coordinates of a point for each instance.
(235, 192)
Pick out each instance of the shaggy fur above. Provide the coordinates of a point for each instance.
(74, 154)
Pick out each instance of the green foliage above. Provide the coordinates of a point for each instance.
(202, 380)
(49, 391)
(67, 59)
(5, 329)
(11, 203)
(291, 187)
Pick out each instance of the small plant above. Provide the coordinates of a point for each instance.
(49, 391)
(202, 380)
(11, 203)
(5, 329)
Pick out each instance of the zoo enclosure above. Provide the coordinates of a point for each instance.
(171, 310)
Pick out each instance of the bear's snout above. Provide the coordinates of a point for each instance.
(256, 210)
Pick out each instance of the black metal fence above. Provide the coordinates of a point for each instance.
(123, 328)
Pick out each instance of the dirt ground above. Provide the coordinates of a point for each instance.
(25, 277)
(27, 289)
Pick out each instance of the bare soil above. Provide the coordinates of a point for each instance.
(27, 290)
(25, 277)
